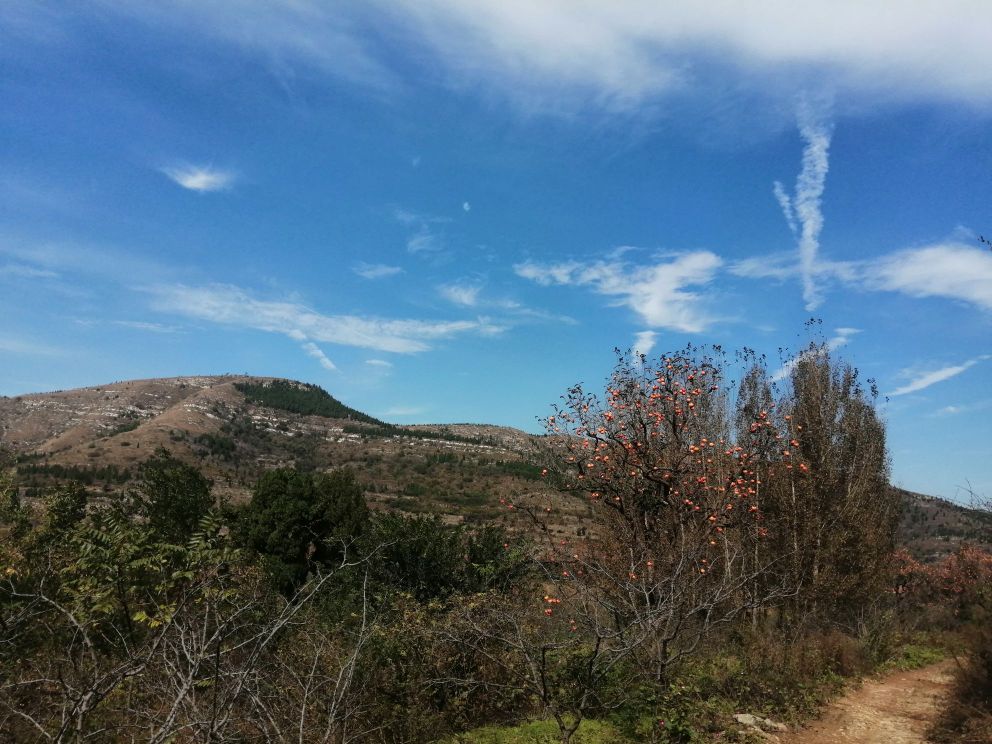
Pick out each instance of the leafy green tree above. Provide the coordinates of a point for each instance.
(65, 507)
(296, 520)
(174, 496)
(13, 516)
(424, 557)
(835, 504)
(494, 561)
(418, 555)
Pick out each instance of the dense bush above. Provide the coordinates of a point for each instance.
(965, 580)
(298, 521)
(429, 560)
(173, 496)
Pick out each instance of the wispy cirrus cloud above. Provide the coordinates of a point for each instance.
(141, 325)
(14, 345)
(466, 295)
(404, 411)
(424, 236)
(921, 381)
(53, 259)
(283, 35)
(20, 271)
(229, 305)
(802, 210)
(375, 271)
(658, 293)
(958, 409)
(786, 266)
(315, 351)
(471, 293)
(201, 178)
(950, 410)
(560, 53)
(951, 270)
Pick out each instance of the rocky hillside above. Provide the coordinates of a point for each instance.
(931, 527)
(234, 427)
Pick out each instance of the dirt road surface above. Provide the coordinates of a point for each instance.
(893, 710)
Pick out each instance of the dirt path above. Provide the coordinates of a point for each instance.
(893, 710)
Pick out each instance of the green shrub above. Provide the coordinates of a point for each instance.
(297, 521)
(173, 495)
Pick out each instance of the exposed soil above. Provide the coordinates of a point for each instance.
(897, 709)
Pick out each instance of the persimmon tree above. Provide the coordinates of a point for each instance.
(674, 495)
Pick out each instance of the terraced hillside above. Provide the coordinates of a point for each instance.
(234, 427)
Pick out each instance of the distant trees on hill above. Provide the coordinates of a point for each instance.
(302, 398)
(312, 400)
(31, 473)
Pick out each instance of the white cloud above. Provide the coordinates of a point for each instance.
(19, 271)
(403, 411)
(644, 342)
(61, 259)
(925, 380)
(140, 325)
(785, 202)
(375, 271)
(382, 363)
(841, 337)
(12, 345)
(424, 237)
(313, 350)
(424, 241)
(466, 207)
(283, 35)
(950, 410)
(779, 266)
(620, 55)
(232, 306)
(559, 54)
(802, 211)
(200, 178)
(952, 270)
(657, 293)
(972, 407)
(466, 295)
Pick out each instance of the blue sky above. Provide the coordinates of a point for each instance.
(445, 211)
